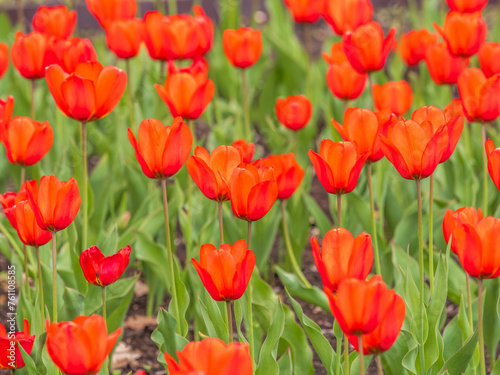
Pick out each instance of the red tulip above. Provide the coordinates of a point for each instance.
(489, 58)
(242, 47)
(211, 357)
(253, 191)
(305, 10)
(54, 21)
(80, 346)
(464, 215)
(6, 110)
(10, 354)
(161, 150)
(493, 155)
(341, 256)
(211, 172)
(444, 67)
(365, 47)
(294, 112)
(111, 10)
(467, 5)
(4, 59)
(245, 149)
(414, 45)
(55, 203)
(480, 95)
(124, 37)
(337, 166)
(225, 272)
(455, 108)
(27, 228)
(153, 25)
(10, 199)
(71, 52)
(30, 54)
(394, 96)
(198, 66)
(103, 271)
(89, 94)
(347, 15)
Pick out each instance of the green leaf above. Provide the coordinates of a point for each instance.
(28, 361)
(164, 335)
(268, 352)
(320, 219)
(182, 303)
(216, 325)
(458, 362)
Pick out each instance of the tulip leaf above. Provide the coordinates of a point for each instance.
(392, 359)
(28, 361)
(269, 350)
(492, 333)
(321, 220)
(73, 304)
(458, 362)
(155, 256)
(212, 317)
(238, 317)
(182, 303)
(164, 335)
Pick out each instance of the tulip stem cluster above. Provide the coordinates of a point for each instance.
(84, 185)
(54, 278)
(485, 171)
(480, 325)
(431, 233)
(374, 225)
(40, 282)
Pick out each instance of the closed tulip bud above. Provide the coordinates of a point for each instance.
(10, 199)
(27, 228)
(365, 47)
(463, 33)
(246, 150)
(54, 21)
(467, 6)
(211, 357)
(396, 96)
(80, 346)
(444, 67)
(161, 150)
(89, 94)
(103, 271)
(337, 166)
(464, 215)
(225, 272)
(341, 256)
(294, 112)
(414, 44)
(71, 52)
(306, 11)
(493, 155)
(55, 203)
(455, 108)
(124, 37)
(347, 15)
(6, 110)
(480, 95)
(111, 10)
(489, 58)
(26, 141)
(253, 191)
(4, 59)
(30, 54)
(242, 47)
(14, 340)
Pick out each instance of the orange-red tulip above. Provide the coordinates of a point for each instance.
(455, 108)
(161, 150)
(111, 10)
(103, 271)
(463, 33)
(124, 37)
(341, 256)
(489, 58)
(71, 52)
(242, 47)
(10, 199)
(26, 141)
(342, 79)
(30, 54)
(211, 172)
(6, 110)
(4, 59)
(246, 150)
(365, 47)
(198, 66)
(55, 203)
(225, 272)
(359, 305)
(480, 95)
(337, 165)
(386, 333)
(347, 15)
(10, 354)
(465, 6)
(493, 155)
(89, 94)
(80, 346)
(464, 215)
(54, 21)
(308, 11)
(27, 228)
(294, 112)
(153, 31)
(253, 191)
(444, 67)
(287, 171)
(211, 357)
(396, 96)
(414, 44)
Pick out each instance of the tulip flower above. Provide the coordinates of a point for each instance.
(27, 228)
(6, 343)
(305, 11)
(414, 45)
(337, 166)
(103, 271)
(463, 33)
(489, 58)
(480, 95)
(10, 199)
(54, 21)
(80, 346)
(467, 6)
(26, 141)
(455, 108)
(211, 357)
(198, 66)
(287, 172)
(225, 272)
(246, 150)
(4, 59)
(212, 172)
(294, 112)
(242, 47)
(386, 333)
(341, 256)
(444, 67)
(347, 15)
(493, 155)
(185, 94)
(161, 150)
(253, 191)
(153, 31)
(464, 215)
(396, 96)
(111, 10)
(6, 110)
(124, 37)
(89, 94)
(71, 52)
(30, 54)
(365, 47)
(342, 79)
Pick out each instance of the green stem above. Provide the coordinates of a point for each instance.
(345, 106)
(380, 369)
(161, 73)
(374, 225)
(249, 301)
(221, 224)
(104, 302)
(339, 211)
(246, 108)
(172, 7)
(431, 233)
(308, 48)
(130, 94)
(23, 175)
(40, 282)
(370, 83)
(421, 271)
(289, 249)
(346, 355)
(84, 185)
(469, 300)
(229, 320)
(480, 325)
(485, 171)
(33, 84)
(339, 353)
(26, 272)
(361, 355)
(54, 278)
